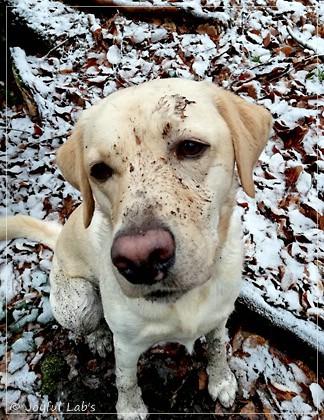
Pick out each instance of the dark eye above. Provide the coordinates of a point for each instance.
(190, 149)
(101, 171)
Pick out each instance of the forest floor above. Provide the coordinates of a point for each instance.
(66, 58)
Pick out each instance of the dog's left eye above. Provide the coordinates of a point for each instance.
(190, 149)
(100, 171)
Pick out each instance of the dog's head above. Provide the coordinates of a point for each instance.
(157, 160)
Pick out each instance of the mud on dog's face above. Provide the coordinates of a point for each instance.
(157, 160)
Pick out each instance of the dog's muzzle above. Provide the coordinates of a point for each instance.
(144, 257)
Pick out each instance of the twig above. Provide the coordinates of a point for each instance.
(57, 46)
(298, 40)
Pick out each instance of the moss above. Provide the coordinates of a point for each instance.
(54, 369)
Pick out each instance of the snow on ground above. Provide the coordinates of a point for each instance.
(265, 54)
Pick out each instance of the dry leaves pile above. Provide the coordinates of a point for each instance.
(265, 54)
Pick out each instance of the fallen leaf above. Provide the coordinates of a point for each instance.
(270, 41)
(210, 30)
(38, 131)
(281, 391)
(287, 50)
(249, 89)
(292, 175)
(304, 301)
(254, 341)
(202, 380)
(68, 207)
(291, 137)
(250, 411)
(67, 71)
(311, 213)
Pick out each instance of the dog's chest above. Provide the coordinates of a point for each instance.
(185, 321)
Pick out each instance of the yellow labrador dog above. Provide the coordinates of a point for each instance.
(155, 248)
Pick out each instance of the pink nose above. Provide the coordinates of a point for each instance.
(145, 257)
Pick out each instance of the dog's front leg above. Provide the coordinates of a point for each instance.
(222, 382)
(76, 305)
(130, 405)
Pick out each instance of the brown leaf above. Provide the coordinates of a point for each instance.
(98, 37)
(202, 380)
(47, 206)
(186, 60)
(270, 41)
(267, 411)
(223, 74)
(268, 175)
(304, 301)
(210, 30)
(92, 62)
(287, 50)
(245, 205)
(281, 391)
(254, 36)
(238, 340)
(66, 71)
(267, 40)
(279, 355)
(282, 224)
(249, 89)
(245, 76)
(292, 175)
(312, 214)
(38, 131)
(282, 271)
(289, 200)
(311, 376)
(68, 207)
(292, 137)
(276, 73)
(254, 341)
(250, 411)
(77, 99)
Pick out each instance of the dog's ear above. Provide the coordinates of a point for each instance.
(71, 163)
(250, 126)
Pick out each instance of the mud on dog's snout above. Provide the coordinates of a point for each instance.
(144, 257)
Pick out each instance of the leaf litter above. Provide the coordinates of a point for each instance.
(267, 52)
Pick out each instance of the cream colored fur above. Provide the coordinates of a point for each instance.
(136, 132)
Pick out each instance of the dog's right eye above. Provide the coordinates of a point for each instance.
(101, 172)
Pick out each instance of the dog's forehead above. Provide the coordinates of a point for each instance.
(154, 105)
(152, 117)
(157, 99)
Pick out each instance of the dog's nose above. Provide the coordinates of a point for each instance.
(145, 257)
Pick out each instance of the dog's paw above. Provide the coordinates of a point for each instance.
(100, 341)
(130, 405)
(223, 388)
(132, 416)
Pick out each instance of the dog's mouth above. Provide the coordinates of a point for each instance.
(164, 296)
(165, 291)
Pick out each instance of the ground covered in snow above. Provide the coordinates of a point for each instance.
(270, 52)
